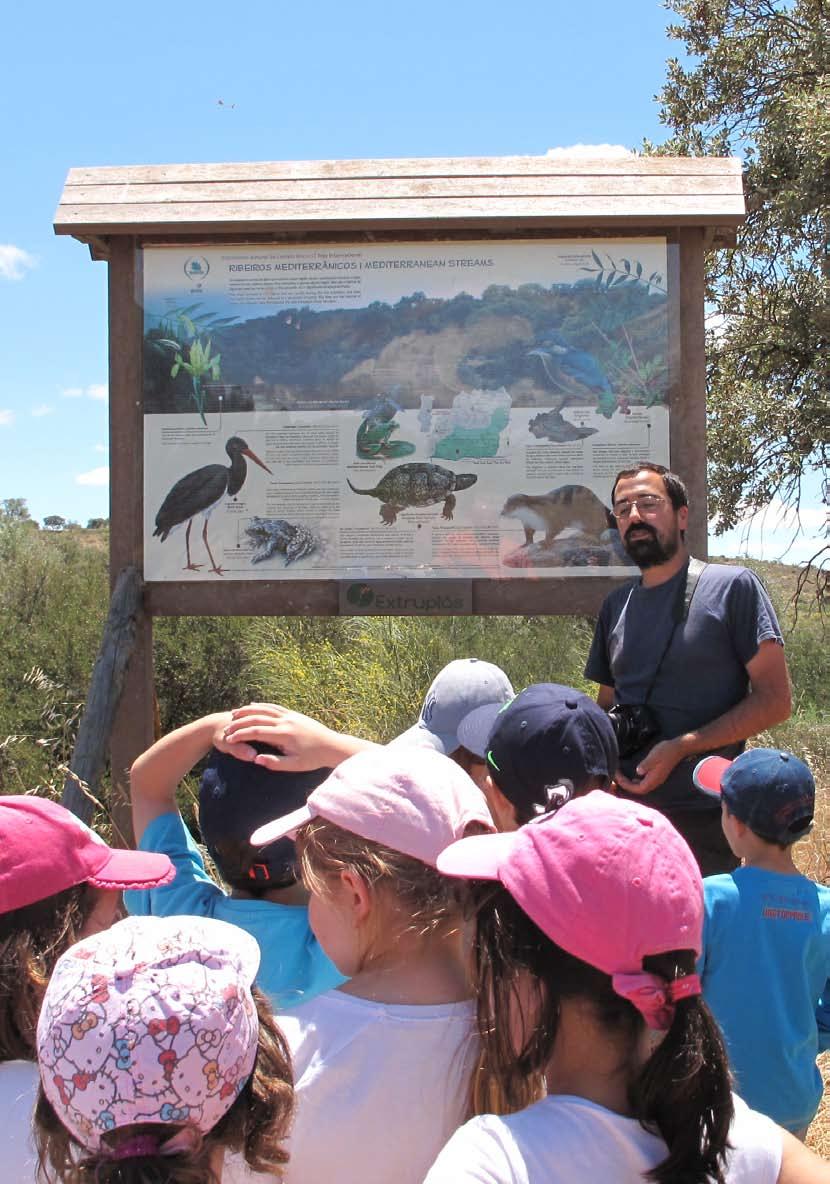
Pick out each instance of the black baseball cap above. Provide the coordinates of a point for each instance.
(235, 798)
(548, 737)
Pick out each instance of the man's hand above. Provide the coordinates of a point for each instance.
(304, 743)
(654, 768)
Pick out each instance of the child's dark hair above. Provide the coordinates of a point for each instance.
(255, 1125)
(682, 1091)
(32, 939)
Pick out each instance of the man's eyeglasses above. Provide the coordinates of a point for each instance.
(649, 503)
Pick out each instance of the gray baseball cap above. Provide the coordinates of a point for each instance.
(463, 687)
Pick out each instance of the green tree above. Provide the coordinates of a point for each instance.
(14, 509)
(757, 86)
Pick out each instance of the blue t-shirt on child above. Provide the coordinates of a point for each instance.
(293, 967)
(765, 968)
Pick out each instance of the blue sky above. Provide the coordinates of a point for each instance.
(99, 84)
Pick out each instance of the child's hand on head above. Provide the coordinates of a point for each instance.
(305, 743)
(223, 743)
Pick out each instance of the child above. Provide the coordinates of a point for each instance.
(586, 986)
(766, 939)
(382, 1064)
(58, 882)
(236, 796)
(156, 1054)
(548, 744)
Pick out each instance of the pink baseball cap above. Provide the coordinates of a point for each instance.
(45, 848)
(415, 801)
(608, 880)
(151, 1021)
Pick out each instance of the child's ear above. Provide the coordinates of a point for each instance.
(356, 895)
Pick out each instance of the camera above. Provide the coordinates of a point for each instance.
(634, 725)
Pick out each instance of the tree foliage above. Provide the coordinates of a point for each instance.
(757, 86)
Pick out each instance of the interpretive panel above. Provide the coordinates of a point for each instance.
(399, 409)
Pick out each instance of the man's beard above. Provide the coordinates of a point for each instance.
(649, 551)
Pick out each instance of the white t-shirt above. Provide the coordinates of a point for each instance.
(562, 1139)
(18, 1093)
(379, 1087)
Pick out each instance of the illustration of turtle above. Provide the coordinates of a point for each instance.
(416, 484)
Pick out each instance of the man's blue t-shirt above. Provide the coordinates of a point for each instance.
(702, 673)
(293, 968)
(764, 967)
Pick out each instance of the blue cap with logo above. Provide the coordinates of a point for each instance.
(772, 792)
(549, 737)
(236, 797)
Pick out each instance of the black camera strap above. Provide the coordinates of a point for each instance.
(680, 612)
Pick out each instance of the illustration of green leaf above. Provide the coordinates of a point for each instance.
(598, 261)
(175, 370)
(626, 264)
(639, 270)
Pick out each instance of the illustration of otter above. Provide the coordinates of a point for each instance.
(574, 508)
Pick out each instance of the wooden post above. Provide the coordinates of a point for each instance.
(105, 688)
(133, 728)
(688, 421)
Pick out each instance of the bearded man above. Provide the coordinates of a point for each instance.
(700, 648)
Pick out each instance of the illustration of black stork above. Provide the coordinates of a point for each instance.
(200, 492)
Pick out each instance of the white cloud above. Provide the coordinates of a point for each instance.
(101, 448)
(775, 533)
(15, 262)
(41, 410)
(591, 152)
(95, 390)
(6, 418)
(94, 477)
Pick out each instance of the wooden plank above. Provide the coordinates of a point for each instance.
(542, 597)
(222, 598)
(688, 424)
(82, 787)
(406, 167)
(133, 728)
(105, 218)
(397, 187)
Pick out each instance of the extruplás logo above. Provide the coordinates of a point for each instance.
(360, 595)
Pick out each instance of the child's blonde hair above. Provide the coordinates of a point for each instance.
(431, 902)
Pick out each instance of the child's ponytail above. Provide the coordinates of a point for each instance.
(684, 1087)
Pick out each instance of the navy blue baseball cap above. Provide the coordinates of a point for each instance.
(772, 792)
(549, 743)
(235, 798)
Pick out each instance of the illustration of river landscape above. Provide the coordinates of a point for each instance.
(296, 428)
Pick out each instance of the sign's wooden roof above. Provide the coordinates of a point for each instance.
(493, 194)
